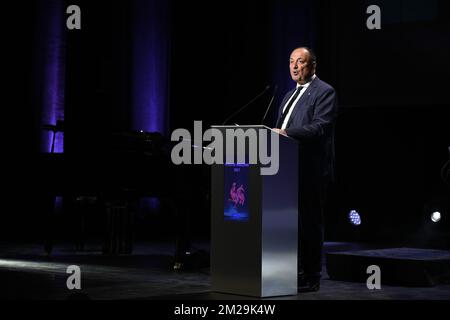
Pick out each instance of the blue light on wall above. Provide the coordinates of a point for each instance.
(151, 50)
(49, 64)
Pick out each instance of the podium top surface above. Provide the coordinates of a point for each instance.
(257, 126)
(242, 126)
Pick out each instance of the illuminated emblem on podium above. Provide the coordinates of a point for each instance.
(236, 191)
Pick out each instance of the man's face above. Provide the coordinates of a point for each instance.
(302, 69)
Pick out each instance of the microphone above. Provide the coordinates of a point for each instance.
(270, 104)
(246, 105)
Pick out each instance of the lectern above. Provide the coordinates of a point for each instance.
(254, 220)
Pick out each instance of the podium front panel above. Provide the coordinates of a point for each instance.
(254, 227)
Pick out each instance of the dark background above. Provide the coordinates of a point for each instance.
(392, 132)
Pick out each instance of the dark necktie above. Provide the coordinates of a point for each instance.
(288, 107)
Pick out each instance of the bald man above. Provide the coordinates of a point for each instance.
(307, 114)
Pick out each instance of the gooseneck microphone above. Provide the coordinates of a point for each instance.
(270, 104)
(246, 105)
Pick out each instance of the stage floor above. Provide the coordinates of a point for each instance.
(27, 273)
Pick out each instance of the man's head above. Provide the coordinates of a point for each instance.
(302, 64)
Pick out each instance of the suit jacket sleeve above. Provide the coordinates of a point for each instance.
(324, 114)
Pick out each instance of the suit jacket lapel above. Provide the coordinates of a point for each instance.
(304, 96)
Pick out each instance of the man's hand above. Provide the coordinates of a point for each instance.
(280, 131)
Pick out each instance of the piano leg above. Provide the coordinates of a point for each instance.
(48, 207)
(183, 237)
(119, 228)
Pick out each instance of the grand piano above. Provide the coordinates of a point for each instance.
(124, 168)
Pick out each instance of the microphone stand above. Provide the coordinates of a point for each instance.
(270, 104)
(246, 105)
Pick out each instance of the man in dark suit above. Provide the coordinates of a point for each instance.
(308, 114)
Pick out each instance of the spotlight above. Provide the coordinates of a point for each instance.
(354, 217)
(436, 216)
